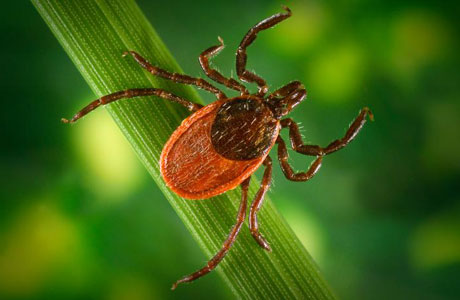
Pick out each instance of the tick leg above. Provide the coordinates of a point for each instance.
(215, 75)
(287, 169)
(179, 78)
(314, 150)
(257, 203)
(130, 94)
(241, 56)
(228, 242)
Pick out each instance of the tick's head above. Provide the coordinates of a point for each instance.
(282, 101)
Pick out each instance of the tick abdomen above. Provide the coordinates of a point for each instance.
(190, 165)
(244, 128)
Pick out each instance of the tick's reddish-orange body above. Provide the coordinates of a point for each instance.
(190, 147)
(221, 145)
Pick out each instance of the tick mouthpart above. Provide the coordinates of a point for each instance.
(65, 121)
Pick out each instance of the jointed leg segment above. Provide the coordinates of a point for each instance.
(176, 77)
(241, 56)
(257, 203)
(130, 94)
(228, 242)
(314, 150)
(215, 75)
(287, 169)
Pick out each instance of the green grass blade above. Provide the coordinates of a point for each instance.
(94, 34)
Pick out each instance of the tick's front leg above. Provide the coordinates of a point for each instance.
(241, 56)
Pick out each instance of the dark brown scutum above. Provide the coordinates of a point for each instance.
(243, 129)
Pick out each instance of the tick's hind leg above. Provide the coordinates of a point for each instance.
(314, 150)
(130, 94)
(287, 169)
(257, 203)
(241, 56)
(228, 242)
(176, 77)
(215, 75)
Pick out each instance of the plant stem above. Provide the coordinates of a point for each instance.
(95, 34)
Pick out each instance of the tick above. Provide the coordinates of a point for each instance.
(221, 145)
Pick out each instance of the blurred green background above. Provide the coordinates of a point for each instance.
(381, 219)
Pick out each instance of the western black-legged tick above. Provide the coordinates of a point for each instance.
(222, 144)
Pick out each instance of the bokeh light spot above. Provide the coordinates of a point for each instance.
(419, 37)
(337, 73)
(442, 146)
(36, 243)
(130, 287)
(301, 31)
(436, 242)
(112, 167)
